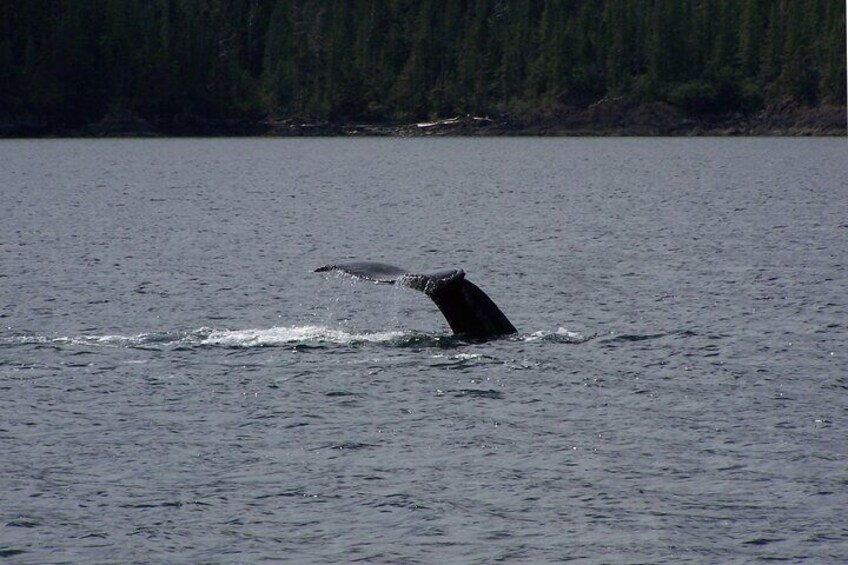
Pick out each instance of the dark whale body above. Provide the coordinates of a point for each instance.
(470, 313)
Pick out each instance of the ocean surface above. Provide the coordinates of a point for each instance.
(178, 386)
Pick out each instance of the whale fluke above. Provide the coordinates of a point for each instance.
(470, 313)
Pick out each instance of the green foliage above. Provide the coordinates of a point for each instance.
(70, 62)
(696, 96)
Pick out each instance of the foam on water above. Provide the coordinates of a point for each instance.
(275, 336)
(295, 334)
(268, 337)
(278, 336)
(561, 335)
(85, 339)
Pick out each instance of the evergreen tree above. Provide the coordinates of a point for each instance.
(70, 62)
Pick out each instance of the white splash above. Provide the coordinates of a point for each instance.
(576, 336)
(294, 334)
(275, 336)
(562, 335)
(457, 356)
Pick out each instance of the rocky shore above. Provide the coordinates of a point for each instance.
(607, 117)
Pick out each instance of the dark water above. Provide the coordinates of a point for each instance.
(176, 386)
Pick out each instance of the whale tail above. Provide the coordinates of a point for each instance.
(470, 313)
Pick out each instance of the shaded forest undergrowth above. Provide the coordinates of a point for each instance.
(603, 118)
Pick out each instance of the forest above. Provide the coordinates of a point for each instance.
(66, 63)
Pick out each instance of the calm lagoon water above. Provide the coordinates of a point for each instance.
(177, 386)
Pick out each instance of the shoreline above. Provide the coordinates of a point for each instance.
(605, 118)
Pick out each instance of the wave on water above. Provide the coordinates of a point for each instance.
(306, 336)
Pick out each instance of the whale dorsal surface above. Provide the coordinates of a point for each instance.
(469, 311)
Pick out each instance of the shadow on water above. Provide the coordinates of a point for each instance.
(624, 338)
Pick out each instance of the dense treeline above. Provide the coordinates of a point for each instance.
(70, 62)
